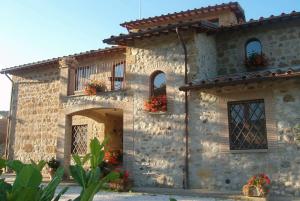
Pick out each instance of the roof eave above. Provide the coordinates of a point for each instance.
(204, 26)
(237, 82)
(55, 61)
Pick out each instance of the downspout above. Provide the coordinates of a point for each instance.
(186, 169)
(9, 119)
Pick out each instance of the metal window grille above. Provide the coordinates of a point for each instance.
(79, 139)
(115, 71)
(247, 125)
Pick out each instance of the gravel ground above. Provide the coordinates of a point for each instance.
(112, 196)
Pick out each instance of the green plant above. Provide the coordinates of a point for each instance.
(90, 180)
(2, 165)
(27, 185)
(256, 60)
(257, 184)
(94, 86)
(173, 199)
(53, 163)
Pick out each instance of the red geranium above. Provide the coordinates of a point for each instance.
(156, 104)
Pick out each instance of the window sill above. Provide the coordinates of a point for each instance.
(81, 93)
(249, 151)
(157, 113)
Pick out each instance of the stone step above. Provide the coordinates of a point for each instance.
(228, 195)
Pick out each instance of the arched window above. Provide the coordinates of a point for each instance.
(253, 47)
(158, 84)
(157, 101)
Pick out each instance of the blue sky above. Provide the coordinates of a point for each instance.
(32, 30)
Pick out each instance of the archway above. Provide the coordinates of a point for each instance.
(82, 125)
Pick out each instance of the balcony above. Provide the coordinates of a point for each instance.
(111, 75)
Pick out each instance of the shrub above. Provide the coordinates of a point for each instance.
(27, 185)
(90, 180)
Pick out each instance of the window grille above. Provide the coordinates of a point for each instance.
(247, 125)
(114, 71)
(79, 139)
(117, 80)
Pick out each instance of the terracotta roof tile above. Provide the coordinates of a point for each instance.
(55, 60)
(234, 6)
(242, 78)
(122, 39)
(263, 20)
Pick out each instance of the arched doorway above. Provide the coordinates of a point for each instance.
(83, 125)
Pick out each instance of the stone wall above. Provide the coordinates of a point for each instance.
(280, 44)
(35, 111)
(3, 135)
(158, 139)
(215, 168)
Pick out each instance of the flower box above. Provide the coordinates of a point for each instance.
(94, 86)
(256, 61)
(156, 104)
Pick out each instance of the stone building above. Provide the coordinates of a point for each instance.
(3, 131)
(231, 88)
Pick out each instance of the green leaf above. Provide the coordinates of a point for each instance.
(4, 189)
(2, 163)
(15, 165)
(86, 158)
(49, 191)
(39, 165)
(23, 194)
(93, 176)
(78, 174)
(95, 152)
(28, 176)
(173, 199)
(63, 191)
(111, 177)
(89, 193)
(76, 159)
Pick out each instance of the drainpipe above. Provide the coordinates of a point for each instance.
(9, 119)
(186, 169)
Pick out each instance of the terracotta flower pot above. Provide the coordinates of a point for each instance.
(254, 191)
(51, 172)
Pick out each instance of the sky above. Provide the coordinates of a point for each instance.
(33, 30)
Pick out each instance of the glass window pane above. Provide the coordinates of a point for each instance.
(159, 84)
(118, 76)
(253, 47)
(247, 125)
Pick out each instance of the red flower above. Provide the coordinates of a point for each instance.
(156, 104)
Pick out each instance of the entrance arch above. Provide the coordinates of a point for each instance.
(118, 118)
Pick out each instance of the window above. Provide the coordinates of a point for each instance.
(158, 84)
(253, 47)
(117, 80)
(82, 75)
(79, 139)
(247, 125)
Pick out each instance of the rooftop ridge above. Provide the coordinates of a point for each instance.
(131, 24)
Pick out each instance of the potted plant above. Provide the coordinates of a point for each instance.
(156, 104)
(94, 86)
(123, 183)
(53, 165)
(255, 60)
(257, 186)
